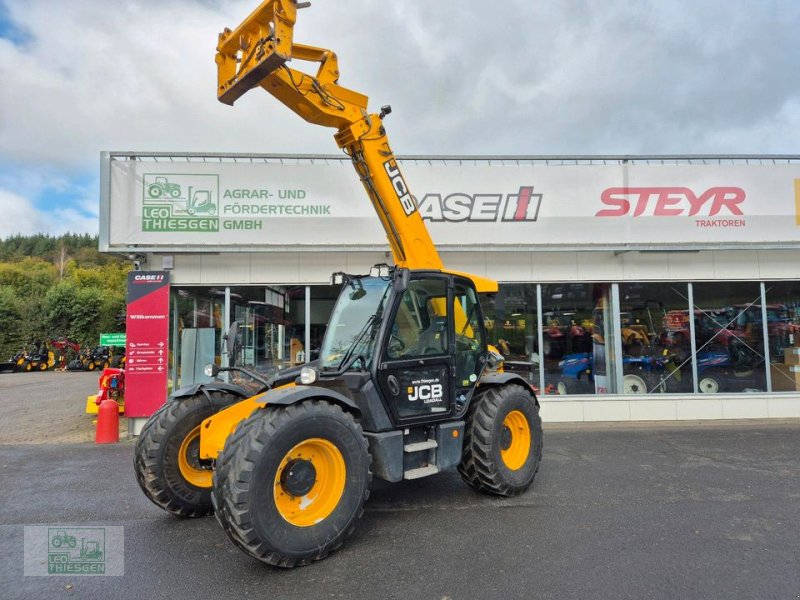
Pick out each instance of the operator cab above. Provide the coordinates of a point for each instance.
(413, 340)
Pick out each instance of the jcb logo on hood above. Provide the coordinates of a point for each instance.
(670, 202)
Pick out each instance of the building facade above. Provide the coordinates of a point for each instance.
(631, 288)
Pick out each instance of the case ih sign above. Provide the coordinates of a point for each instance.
(493, 205)
(147, 349)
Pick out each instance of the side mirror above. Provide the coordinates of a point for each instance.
(401, 279)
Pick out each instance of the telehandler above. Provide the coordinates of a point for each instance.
(405, 386)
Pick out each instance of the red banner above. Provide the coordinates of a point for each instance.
(147, 347)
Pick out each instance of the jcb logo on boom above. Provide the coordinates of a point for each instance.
(426, 392)
(400, 187)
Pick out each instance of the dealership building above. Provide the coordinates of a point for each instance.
(631, 287)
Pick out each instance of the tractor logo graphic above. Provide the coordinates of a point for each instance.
(163, 187)
(76, 550)
(180, 202)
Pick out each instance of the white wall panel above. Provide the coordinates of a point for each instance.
(508, 266)
(607, 410)
(561, 411)
(736, 264)
(281, 267)
(699, 408)
(598, 266)
(690, 266)
(187, 269)
(316, 267)
(555, 266)
(780, 407)
(645, 266)
(360, 262)
(653, 410)
(468, 262)
(232, 269)
(745, 407)
(779, 264)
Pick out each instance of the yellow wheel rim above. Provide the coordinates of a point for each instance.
(519, 444)
(320, 460)
(189, 461)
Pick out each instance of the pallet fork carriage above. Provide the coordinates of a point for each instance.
(406, 384)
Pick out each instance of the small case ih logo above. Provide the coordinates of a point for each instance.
(180, 202)
(76, 550)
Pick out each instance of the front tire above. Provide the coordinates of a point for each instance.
(167, 456)
(502, 441)
(291, 482)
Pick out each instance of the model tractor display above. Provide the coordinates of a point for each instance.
(405, 385)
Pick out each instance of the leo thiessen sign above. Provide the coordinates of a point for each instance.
(230, 205)
(147, 349)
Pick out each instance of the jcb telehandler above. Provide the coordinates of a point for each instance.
(405, 385)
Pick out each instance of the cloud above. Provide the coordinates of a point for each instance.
(20, 216)
(520, 77)
(516, 77)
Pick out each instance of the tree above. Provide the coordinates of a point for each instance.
(10, 318)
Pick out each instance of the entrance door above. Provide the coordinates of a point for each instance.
(416, 373)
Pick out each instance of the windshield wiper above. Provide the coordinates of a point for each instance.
(357, 340)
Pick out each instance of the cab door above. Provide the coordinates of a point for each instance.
(416, 371)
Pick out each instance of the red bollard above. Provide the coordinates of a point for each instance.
(107, 423)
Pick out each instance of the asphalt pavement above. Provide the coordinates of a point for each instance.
(617, 511)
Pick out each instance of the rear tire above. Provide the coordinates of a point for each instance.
(502, 441)
(710, 384)
(633, 383)
(570, 386)
(167, 460)
(291, 482)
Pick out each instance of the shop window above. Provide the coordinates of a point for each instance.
(195, 332)
(783, 331)
(511, 316)
(729, 337)
(654, 335)
(577, 338)
(261, 314)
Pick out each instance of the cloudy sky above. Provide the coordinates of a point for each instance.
(468, 77)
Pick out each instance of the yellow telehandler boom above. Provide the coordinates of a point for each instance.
(256, 54)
